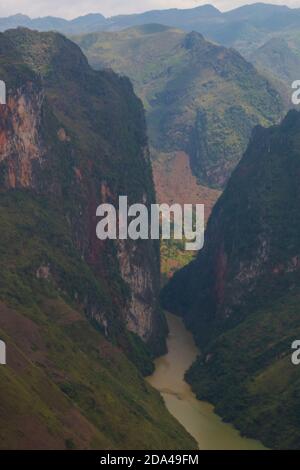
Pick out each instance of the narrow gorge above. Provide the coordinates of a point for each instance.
(132, 342)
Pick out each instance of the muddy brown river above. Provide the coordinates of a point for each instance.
(198, 417)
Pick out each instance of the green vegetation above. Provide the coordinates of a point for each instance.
(63, 378)
(279, 59)
(92, 108)
(174, 256)
(247, 372)
(200, 98)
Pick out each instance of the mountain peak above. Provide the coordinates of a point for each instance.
(89, 17)
(48, 52)
(208, 8)
(19, 16)
(193, 40)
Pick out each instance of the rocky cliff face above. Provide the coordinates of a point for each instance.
(143, 280)
(20, 140)
(29, 160)
(241, 296)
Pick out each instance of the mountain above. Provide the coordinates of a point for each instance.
(80, 316)
(241, 27)
(281, 55)
(201, 99)
(241, 295)
(279, 60)
(250, 26)
(174, 17)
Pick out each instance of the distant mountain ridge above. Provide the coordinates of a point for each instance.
(217, 25)
(93, 22)
(82, 23)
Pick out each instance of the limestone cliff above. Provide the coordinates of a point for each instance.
(20, 140)
(57, 121)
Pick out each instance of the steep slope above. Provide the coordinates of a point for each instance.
(279, 60)
(73, 309)
(241, 296)
(200, 98)
(280, 55)
(102, 167)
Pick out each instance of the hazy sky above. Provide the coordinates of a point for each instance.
(73, 8)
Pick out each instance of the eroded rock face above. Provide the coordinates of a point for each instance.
(139, 313)
(21, 145)
(139, 266)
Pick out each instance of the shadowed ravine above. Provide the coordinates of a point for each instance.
(196, 416)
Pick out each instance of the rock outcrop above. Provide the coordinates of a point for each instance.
(30, 156)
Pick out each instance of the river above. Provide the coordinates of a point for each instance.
(198, 417)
